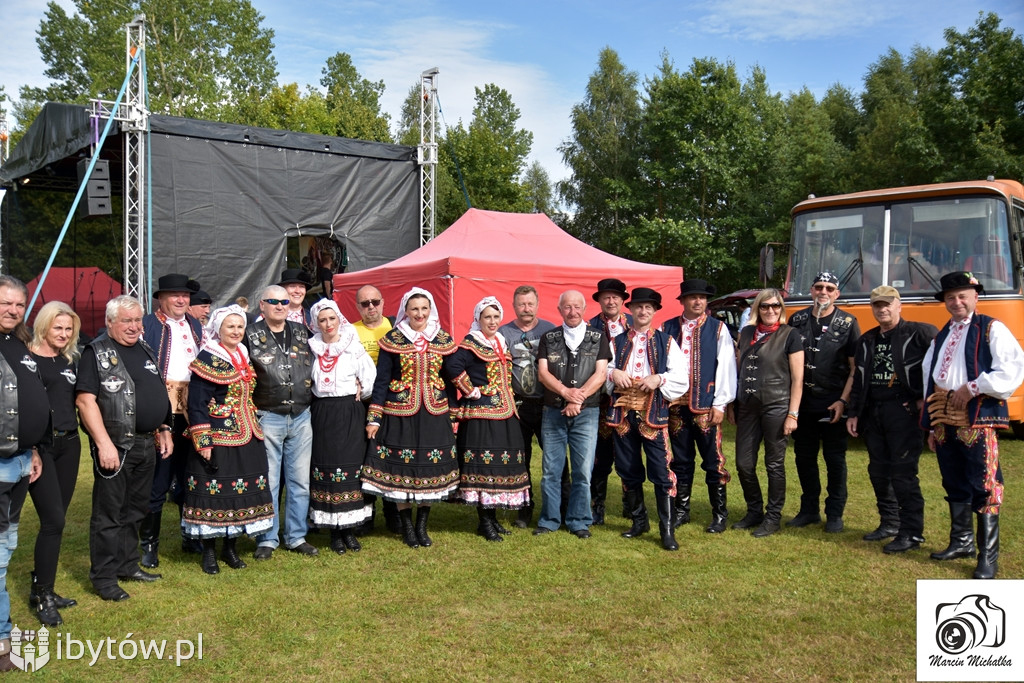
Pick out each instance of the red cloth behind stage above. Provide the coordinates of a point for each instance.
(490, 253)
(86, 290)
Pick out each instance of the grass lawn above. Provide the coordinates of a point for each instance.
(799, 605)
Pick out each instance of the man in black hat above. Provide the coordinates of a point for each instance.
(296, 282)
(695, 419)
(610, 294)
(885, 406)
(830, 341)
(175, 335)
(199, 306)
(647, 373)
(971, 368)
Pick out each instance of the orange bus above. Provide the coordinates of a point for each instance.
(908, 237)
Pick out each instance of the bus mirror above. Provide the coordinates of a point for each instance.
(766, 264)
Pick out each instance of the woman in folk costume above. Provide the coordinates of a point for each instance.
(226, 488)
(411, 455)
(490, 441)
(342, 376)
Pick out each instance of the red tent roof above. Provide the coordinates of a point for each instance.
(87, 290)
(490, 253)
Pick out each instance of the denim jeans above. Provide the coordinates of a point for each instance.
(14, 473)
(289, 442)
(580, 435)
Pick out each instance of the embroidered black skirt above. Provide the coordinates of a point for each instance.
(412, 459)
(492, 465)
(231, 500)
(339, 447)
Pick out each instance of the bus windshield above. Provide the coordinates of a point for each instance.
(908, 245)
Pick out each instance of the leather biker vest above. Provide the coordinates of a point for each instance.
(283, 376)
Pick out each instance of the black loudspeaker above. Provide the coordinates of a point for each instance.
(96, 198)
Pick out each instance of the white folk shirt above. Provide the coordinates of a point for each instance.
(725, 372)
(675, 381)
(951, 369)
(183, 350)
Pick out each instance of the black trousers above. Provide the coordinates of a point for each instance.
(832, 438)
(118, 505)
(169, 473)
(629, 463)
(51, 495)
(756, 423)
(894, 441)
(688, 438)
(969, 464)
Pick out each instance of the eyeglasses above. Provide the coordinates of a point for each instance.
(277, 302)
(825, 288)
(765, 307)
(370, 302)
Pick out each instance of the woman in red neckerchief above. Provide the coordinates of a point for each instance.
(492, 463)
(343, 375)
(770, 358)
(226, 488)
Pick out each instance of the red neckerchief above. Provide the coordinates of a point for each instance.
(763, 331)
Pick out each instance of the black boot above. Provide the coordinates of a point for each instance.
(681, 515)
(422, 513)
(149, 539)
(525, 516)
(961, 535)
(598, 495)
(61, 603)
(719, 513)
(367, 526)
(486, 527)
(350, 540)
(43, 600)
(497, 523)
(391, 519)
(337, 542)
(209, 559)
(988, 547)
(230, 555)
(408, 530)
(665, 526)
(638, 513)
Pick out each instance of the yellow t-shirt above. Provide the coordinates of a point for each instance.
(369, 337)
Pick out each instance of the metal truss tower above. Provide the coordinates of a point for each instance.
(426, 153)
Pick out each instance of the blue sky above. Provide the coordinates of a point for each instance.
(544, 52)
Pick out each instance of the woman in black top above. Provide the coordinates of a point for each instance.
(54, 347)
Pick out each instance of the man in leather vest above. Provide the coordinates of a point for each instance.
(124, 407)
(971, 368)
(647, 374)
(279, 351)
(175, 335)
(884, 408)
(24, 424)
(695, 420)
(830, 338)
(572, 362)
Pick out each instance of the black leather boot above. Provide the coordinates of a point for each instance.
(43, 600)
(961, 535)
(988, 547)
(61, 603)
(408, 529)
(422, 513)
(681, 514)
(638, 513)
(486, 527)
(230, 555)
(209, 558)
(149, 539)
(367, 525)
(348, 536)
(337, 542)
(525, 516)
(391, 519)
(665, 526)
(719, 513)
(598, 495)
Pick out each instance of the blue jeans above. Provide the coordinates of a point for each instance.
(580, 435)
(289, 441)
(14, 473)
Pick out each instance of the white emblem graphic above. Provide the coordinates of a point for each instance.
(29, 363)
(112, 384)
(151, 366)
(30, 650)
(69, 375)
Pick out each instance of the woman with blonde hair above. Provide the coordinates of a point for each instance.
(770, 357)
(54, 348)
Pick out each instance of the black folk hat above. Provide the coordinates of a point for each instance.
(175, 282)
(646, 295)
(295, 276)
(611, 285)
(695, 286)
(960, 279)
(199, 297)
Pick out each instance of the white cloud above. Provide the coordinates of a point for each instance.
(772, 20)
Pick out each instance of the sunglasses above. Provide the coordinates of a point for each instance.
(370, 302)
(825, 288)
(774, 307)
(526, 342)
(277, 302)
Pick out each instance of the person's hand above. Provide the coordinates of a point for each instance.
(789, 426)
(206, 453)
(371, 431)
(572, 409)
(836, 411)
(650, 383)
(851, 426)
(108, 457)
(621, 380)
(37, 467)
(933, 444)
(716, 417)
(960, 397)
(574, 395)
(475, 394)
(730, 414)
(165, 444)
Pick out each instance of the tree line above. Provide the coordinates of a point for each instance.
(697, 167)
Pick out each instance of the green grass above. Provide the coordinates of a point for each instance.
(799, 605)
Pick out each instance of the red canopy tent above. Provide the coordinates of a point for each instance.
(87, 290)
(490, 253)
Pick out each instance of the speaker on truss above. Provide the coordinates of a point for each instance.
(96, 198)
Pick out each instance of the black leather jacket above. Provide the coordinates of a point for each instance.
(116, 398)
(283, 376)
(910, 341)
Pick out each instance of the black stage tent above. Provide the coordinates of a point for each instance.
(225, 197)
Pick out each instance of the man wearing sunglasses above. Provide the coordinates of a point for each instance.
(830, 342)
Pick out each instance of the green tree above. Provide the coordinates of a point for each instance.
(602, 153)
(408, 125)
(285, 108)
(354, 101)
(537, 186)
(202, 56)
(841, 107)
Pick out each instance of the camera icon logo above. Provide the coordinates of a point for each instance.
(973, 622)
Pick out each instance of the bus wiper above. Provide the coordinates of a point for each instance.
(917, 264)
